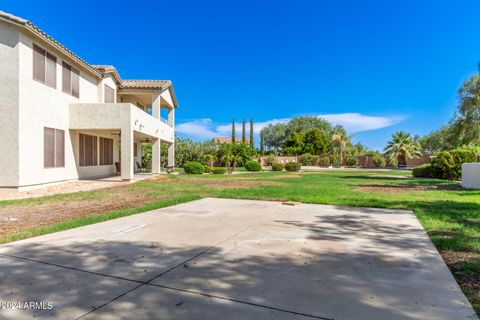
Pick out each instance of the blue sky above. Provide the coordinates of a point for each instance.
(374, 66)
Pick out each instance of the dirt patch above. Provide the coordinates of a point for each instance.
(17, 218)
(465, 266)
(405, 188)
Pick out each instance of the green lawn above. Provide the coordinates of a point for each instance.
(450, 214)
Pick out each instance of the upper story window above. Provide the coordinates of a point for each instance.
(109, 94)
(44, 67)
(70, 80)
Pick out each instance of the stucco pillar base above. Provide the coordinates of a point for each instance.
(156, 164)
(471, 175)
(171, 155)
(126, 153)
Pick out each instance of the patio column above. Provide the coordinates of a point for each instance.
(156, 165)
(171, 155)
(171, 117)
(156, 105)
(126, 153)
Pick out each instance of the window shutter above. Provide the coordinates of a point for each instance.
(59, 148)
(66, 78)
(75, 83)
(48, 147)
(51, 74)
(109, 94)
(38, 64)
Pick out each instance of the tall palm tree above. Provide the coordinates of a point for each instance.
(340, 137)
(402, 146)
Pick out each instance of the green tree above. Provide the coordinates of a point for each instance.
(243, 131)
(294, 145)
(342, 141)
(274, 136)
(315, 142)
(466, 121)
(304, 124)
(251, 133)
(233, 130)
(402, 147)
(262, 145)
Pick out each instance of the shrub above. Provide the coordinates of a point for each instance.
(277, 167)
(448, 164)
(270, 160)
(324, 161)
(193, 167)
(423, 171)
(306, 159)
(379, 160)
(293, 166)
(335, 160)
(252, 165)
(207, 169)
(351, 161)
(218, 170)
(315, 160)
(443, 166)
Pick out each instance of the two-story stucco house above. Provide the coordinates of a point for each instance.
(64, 119)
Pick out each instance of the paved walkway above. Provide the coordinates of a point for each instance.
(235, 259)
(69, 187)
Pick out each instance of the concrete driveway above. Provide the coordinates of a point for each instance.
(234, 259)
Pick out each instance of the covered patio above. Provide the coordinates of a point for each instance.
(134, 120)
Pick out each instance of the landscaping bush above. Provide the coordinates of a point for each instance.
(448, 164)
(277, 167)
(306, 159)
(351, 161)
(324, 161)
(218, 170)
(315, 160)
(379, 161)
(207, 169)
(252, 165)
(293, 166)
(194, 168)
(270, 160)
(335, 160)
(423, 171)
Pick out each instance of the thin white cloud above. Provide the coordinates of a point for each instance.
(356, 122)
(352, 122)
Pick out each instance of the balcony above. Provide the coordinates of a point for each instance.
(119, 116)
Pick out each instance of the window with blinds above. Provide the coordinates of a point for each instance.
(109, 94)
(87, 150)
(44, 67)
(106, 151)
(53, 148)
(70, 80)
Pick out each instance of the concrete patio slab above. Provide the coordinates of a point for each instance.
(150, 302)
(241, 259)
(58, 293)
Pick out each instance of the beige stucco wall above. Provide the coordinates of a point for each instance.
(9, 116)
(27, 106)
(42, 106)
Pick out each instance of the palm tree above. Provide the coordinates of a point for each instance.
(402, 146)
(233, 130)
(340, 136)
